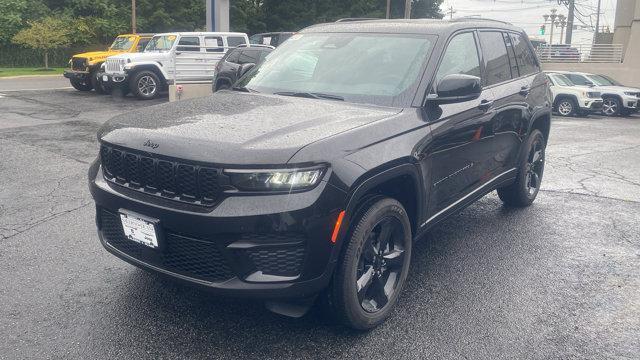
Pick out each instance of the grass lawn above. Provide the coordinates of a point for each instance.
(4, 72)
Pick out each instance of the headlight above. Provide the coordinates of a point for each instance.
(629, 93)
(275, 180)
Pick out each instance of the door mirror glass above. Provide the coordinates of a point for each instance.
(457, 88)
(244, 68)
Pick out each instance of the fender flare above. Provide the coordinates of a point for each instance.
(148, 65)
(367, 182)
(561, 96)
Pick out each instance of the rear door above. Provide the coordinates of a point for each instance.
(189, 59)
(503, 79)
(462, 143)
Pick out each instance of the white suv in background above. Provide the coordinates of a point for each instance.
(617, 98)
(167, 58)
(570, 99)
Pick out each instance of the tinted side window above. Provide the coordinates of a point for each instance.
(527, 62)
(213, 44)
(578, 79)
(248, 56)
(189, 43)
(495, 57)
(233, 55)
(460, 57)
(512, 56)
(234, 41)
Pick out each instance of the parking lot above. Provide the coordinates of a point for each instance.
(560, 279)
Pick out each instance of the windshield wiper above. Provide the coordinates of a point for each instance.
(244, 89)
(310, 95)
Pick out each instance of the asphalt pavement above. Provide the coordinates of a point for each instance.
(557, 280)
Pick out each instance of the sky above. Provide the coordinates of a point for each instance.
(527, 14)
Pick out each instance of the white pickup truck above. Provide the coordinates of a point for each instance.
(169, 58)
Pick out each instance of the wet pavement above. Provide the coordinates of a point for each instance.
(560, 279)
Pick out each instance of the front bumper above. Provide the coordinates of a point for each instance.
(75, 75)
(111, 80)
(590, 105)
(630, 102)
(271, 247)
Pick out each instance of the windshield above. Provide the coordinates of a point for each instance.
(561, 80)
(601, 80)
(381, 69)
(122, 43)
(161, 43)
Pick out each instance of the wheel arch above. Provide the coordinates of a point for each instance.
(149, 67)
(541, 122)
(402, 182)
(565, 96)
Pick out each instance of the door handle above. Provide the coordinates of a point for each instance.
(485, 104)
(525, 90)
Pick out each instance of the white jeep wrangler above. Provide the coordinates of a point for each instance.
(570, 99)
(168, 59)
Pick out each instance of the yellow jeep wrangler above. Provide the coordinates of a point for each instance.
(83, 68)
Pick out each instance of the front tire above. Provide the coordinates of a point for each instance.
(611, 106)
(145, 85)
(81, 85)
(566, 107)
(530, 170)
(373, 266)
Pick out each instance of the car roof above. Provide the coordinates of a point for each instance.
(202, 33)
(137, 34)
(410, 26)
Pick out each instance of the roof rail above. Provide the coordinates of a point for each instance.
(256, 45)
(472, 18)
(356, 19)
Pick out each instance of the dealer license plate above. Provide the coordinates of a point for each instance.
(139, 230)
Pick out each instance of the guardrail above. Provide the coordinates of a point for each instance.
(584, 53)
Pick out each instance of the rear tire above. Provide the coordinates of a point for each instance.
(81, 85)
(373, 266)
(530, 170)
(145, 85)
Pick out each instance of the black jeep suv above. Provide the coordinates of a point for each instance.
(316, 175)
(236, 62)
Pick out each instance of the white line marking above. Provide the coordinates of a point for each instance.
(61, 88)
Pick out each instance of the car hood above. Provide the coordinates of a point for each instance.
(153, 56)
(93, 55)
(237, 128)
(616, 88)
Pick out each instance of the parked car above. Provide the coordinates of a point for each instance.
(617, 100)
(169, 57)
(83, 68)
(273, 38)
(313, 180)
(570, 99)
(237, 61)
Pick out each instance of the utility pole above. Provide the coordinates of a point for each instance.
(595, 35)
(450, 12)
(407, 9)
(133, 16)
(388, 8)
(572, 10)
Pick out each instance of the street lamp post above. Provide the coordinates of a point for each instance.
(562, 23)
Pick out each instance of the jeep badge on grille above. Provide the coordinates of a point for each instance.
(151, 144)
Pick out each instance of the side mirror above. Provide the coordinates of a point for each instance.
(590, 84)
(456, 88)
(244, 68)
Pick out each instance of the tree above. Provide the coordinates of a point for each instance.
(46, 34)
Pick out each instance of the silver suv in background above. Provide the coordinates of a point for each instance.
(570, 99)
(617, 98)
(168, 58)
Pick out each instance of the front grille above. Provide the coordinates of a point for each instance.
(183, 255)
(178, 181)
(79, 64)
(593, 94)
(115, 65)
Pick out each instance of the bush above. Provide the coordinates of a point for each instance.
(16, 56)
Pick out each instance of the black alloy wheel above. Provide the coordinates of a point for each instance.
(373, 265)
(526, 186)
